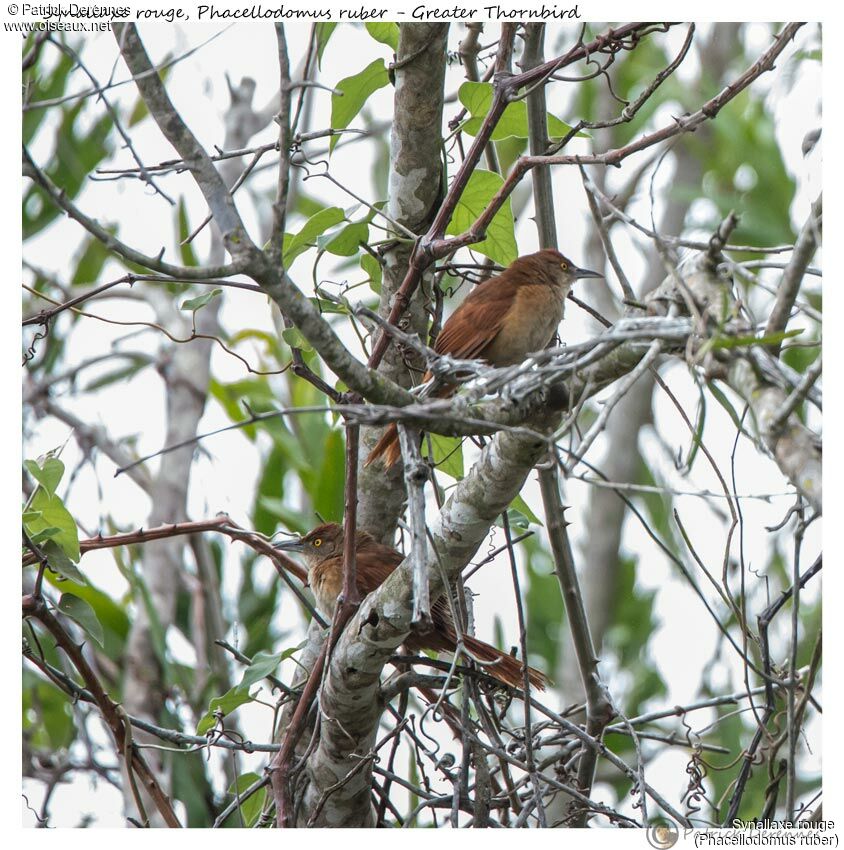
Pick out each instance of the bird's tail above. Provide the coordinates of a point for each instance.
(387, 447)
(504, 667)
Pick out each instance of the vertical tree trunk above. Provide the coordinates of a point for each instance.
(415, 188)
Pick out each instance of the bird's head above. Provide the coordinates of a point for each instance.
(554, 268)
(323, 542)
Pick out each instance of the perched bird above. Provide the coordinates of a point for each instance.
(322, 549)
(501, 321)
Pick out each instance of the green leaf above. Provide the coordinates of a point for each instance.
(121, 375)
(557, 129)
(352, 93)
(227, 703)
(91, 261)
(48, 474)
(327, 485)
(306, 238)
(82, 613)
(200, 301)
(477, 98)
(741, 341)
(112, 617)
(500, 242)
(387, 33)
(293, 337)
(250, 808)
(697, 434)
(344, 241)
(45, 533)
(43, 84)
(186, 252)
(373, 270)
(48, 511)
(448, 455)
(326, 306)
(520, 505)
(323, 33)
(264, 663)
(61, 564)
(722, 399)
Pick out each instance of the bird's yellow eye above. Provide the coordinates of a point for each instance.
(564, 266)
(318, 542)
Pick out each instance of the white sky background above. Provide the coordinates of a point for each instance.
(226, 480)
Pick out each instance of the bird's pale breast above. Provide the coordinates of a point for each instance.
(530, 324)
(326, 581)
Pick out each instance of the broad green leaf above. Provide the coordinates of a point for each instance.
(47, 717)
(112, 617)
(82, 613)
(327, 488)
(61, 564)
(48, 474)
(227, 703)
(448, 455)
(373, 270)
(45, 533)
(520, 505)
(251, 807)
(387, 33)
(345, 241)
(293, 337)
(323, 33)
(557, 129)
(264, 663)
(500, 242)
(200, 301)
(306, 238)
(48, 511)
(326, 306)
(477, 98)
(352, 93)
(519, 523)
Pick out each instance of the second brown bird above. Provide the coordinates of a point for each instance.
(502, 320)
(322, 549)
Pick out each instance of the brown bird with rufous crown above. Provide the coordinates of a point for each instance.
(502, 320)
(322, 549)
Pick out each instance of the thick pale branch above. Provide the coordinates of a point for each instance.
(792, 276)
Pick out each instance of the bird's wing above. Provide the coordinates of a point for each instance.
(375, 562)
(476, 323)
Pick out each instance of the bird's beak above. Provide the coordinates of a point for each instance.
(579, 273)
(294, 544)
